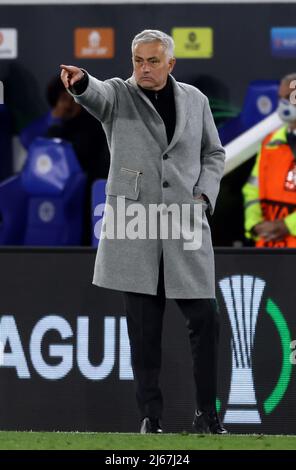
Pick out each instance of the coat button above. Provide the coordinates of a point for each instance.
(165, 184)
(165, 157)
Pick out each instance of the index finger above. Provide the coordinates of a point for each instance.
(68, 68)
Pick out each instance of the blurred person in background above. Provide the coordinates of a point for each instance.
(270, 192)
(69, 121)
(164, 149)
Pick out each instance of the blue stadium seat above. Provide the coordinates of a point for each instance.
(13, 211)
(261, 100)
(97, 203)
(50, 190)
(5, 143)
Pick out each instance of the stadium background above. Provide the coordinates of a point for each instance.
(241, 48)
(242, 52)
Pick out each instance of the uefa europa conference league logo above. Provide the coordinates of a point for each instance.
(242, 295)
(243, 299)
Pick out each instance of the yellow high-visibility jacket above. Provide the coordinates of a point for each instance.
(275, 144)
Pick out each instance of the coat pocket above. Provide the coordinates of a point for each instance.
(127, 183)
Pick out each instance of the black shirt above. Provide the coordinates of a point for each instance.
(164, 102)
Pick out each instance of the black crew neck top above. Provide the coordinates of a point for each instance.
(164, 102)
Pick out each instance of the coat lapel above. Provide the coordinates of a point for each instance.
(181, 113)
(156, 126)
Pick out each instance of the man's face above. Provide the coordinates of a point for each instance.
(152, 65)
(285, 90)
(286, 107)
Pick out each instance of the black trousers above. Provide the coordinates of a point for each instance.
(144, 320)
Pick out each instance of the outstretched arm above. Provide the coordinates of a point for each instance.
(97, 97)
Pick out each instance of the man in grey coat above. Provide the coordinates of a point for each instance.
(166, 166)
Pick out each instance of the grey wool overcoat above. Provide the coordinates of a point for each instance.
(146, 170)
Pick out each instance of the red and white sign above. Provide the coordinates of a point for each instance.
(94, 43)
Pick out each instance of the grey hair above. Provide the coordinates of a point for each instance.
(289, 78)
(151, 35)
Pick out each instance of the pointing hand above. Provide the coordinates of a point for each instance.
(70, 75)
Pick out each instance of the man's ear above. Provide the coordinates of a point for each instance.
(172, 63)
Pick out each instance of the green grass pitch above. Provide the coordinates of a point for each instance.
(118, 441)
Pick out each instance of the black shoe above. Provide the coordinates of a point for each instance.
(151, 426)
(207, 422)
